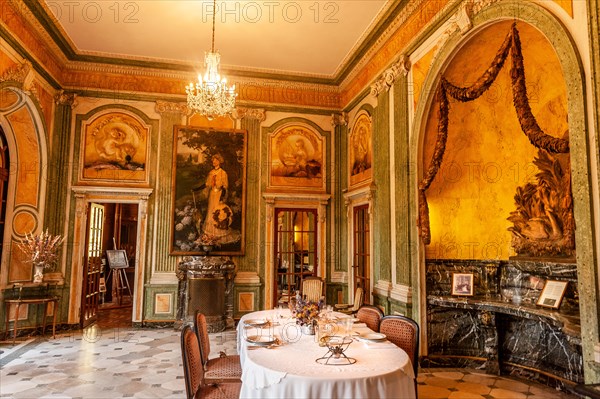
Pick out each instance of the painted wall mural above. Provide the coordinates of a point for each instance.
(296, 159)
(360, 150)
(488, 157)
(115, 147)
(209, 191)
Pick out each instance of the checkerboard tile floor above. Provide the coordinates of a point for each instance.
(146, 363)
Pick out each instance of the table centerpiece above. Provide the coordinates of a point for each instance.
(306, 314)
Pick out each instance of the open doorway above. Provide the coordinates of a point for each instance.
(108, 289)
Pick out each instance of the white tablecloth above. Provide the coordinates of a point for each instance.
(382, 370)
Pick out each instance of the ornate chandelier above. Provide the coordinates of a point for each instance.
(211, 96)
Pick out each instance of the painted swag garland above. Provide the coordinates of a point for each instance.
(527, 120)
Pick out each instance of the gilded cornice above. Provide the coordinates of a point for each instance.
(401, 19)
(415, 18)
(28, 33)
(37, 35)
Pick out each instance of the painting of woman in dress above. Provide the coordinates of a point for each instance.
(209, 191)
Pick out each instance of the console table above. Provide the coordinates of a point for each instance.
(42, 297)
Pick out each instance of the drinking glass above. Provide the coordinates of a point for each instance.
(348, 322)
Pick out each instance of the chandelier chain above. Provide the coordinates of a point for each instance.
(213, 27)
(211, 96)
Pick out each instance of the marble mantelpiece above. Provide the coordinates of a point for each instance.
(500, 328)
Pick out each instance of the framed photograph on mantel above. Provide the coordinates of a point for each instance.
(552, 294)
(462, 284)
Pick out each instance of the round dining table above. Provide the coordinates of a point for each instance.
(289, 368)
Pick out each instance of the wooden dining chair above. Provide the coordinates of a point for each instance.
(313, 288)
(225, 368)
(371, 316)
(193, 372)
(404, 333)
(351, 308)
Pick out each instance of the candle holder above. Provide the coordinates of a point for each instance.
(335, 355)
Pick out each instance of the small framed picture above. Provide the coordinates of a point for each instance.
(117, 258)
(552, 294)
(462, 283)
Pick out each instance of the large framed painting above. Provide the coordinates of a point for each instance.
(360, 150)
(209, 191)
(115, 149)
(296, 159)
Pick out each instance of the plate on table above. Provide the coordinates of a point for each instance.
(373, 337)
(261, 340)
(256, 322)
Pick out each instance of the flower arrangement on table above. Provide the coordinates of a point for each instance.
(41, 250)
(306, 312)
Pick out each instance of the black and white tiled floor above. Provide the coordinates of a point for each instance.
(146, 363)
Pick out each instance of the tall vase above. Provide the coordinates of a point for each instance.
(38, 272)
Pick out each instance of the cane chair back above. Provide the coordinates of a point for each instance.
(312, 288)
(371, 316)
(193, 372)
(225, 368)
(404, 332)
(353, 307)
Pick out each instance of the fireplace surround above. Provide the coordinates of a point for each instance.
(206, 284)
(500, 329)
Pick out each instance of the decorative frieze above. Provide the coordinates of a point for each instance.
(250, 113)
(171, 107)
(387, 79)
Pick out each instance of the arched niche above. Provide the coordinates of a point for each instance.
(25, 131)
(556, 34)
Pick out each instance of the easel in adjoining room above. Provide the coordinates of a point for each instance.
(117, 261)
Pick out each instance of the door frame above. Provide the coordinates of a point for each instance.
(359, 197)
(296, 201)
(85, 195)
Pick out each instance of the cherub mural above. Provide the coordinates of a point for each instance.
(296, 158)
(115, 147)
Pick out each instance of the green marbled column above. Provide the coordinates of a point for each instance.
(339, 250)
(58, 166)
(163, 196)
(381, 203)
(249, 262)
(402, 172)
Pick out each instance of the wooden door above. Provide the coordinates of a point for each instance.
(361, 259)
(92, 265)
(295, 250)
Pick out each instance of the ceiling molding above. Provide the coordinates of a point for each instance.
(51, 30)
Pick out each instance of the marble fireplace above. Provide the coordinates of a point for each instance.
(500, 328)
(206, 284)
